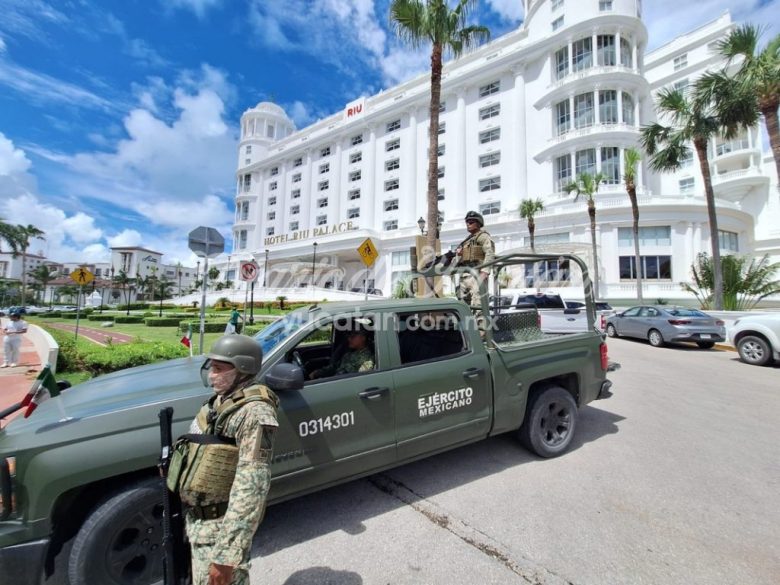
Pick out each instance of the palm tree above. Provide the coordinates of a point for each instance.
(691, 121)
(754, 88)
(67, 290)
(125, 283)
(420, 22)
(163, 289)
(6, 233)
(631, 158)
(20, 236)
(528, 209)
(213, 275)
(179, 274)
(588, 185)
(43, 274)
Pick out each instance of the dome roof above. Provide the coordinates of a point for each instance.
(269, 108)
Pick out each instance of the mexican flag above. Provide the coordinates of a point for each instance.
(44, 387)
(187, 339)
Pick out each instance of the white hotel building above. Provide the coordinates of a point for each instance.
(565, 93)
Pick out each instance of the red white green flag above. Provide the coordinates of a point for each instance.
(44, 387)
(187, 339)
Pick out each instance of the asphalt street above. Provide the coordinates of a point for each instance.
(673, 480)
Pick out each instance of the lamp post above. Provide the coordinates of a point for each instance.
(421, 225)
(197, 270)
(313, 262)
(265, 270)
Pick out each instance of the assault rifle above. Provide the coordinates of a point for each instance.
(176, 559)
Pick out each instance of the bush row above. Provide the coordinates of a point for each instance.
(128, 319)
(162, 321)
(100, 317)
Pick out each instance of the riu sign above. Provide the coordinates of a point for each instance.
(355, 109)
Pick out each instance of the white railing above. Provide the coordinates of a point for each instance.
(590, 72)
(594, 129)
(732, 146)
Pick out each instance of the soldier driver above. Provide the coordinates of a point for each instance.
(224, 486)
(476, 249)
(359, 358)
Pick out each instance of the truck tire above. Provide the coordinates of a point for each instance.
(754, 350)
(655, 338)
(611, 331)
(121, 541)
(550, 422)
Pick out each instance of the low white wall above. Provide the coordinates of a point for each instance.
(45, 346)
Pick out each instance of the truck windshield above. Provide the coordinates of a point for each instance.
(280, 330)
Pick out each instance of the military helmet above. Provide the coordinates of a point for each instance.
(243, 352)
(476, 216)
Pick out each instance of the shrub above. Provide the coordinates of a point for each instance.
(213, 327)
(100, 317)
(68, 315)
(162, 321)
(134, 306)
(253, 330)
(50, 315)
(128, 319)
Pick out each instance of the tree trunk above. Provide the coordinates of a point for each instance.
(24, 277)
(433, 148)
(637, 258)
(531, 230)
(773, 129)
(592, 214)
(717, 269)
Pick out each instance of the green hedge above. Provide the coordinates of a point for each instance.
(134, 306)
(100, 317)
(213, 327)
(253, 330)
(162, 322)
(68, 315)
(49, 315)
(128, 319)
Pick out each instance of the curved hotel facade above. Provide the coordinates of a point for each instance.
(565, 93)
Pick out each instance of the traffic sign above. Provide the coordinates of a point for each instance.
(206, 242)
(82, 276)
(248, 271)
(368, 252)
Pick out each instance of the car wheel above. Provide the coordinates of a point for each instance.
(121, 541)
(611, 331)
(550, 422)
(705, 344)
(655, 338)
(754, 350)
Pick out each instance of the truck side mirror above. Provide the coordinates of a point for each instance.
(284, 376)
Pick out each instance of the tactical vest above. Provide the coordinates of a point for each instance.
(472, 249)
(203, 465)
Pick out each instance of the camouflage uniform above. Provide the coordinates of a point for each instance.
(227, 540)
(476, 250)
(361, 360)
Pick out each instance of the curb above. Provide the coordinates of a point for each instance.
(725, 347)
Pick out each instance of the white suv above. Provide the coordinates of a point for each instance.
(757, 338)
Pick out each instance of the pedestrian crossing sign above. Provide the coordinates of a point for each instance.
(368, 252)
(82, 276)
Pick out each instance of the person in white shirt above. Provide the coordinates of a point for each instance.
(13, 329)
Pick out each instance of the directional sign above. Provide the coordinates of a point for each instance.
(248, 271)
(368, 252)
(206, 242)
(82, 276)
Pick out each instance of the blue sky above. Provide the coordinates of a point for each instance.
(119, 119)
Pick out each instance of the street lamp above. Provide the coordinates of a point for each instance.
(313, 261)
(421, 225)
(265, 270)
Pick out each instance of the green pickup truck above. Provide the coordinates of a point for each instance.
(80, 497)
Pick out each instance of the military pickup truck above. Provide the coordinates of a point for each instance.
(81, 502)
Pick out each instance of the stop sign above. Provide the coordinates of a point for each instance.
(206, 242)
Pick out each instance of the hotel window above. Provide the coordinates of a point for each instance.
(296, 178)
(324, 168)
(295, 210)
(401, 258)
(269, 131)
(563, 117)
(322, 219)
(242, 239)
(606, 50)
(247, 182)
(490, 184)
(391, 205)
(557, 23)
(582, 51)
(249, 149)
(490, 159)
(355, 157)
(272, 186)
(355, 176)
(610, 164)
(442, 128)
(585, 162)
(681, 85)
(296, 193)
(353, 213)
(605, 5)
(489, 135)
(490, 112)
(608, 109)
(441, 150)
(562, 63)
(353, 194)
(298, 162)
(648, 236)
(293, 227)
(728, 241)
(626, 58)
(274, 171)
(391, 185)
(269, 231)
(489, 89)
(442, 107)
(687, 158)
(357, 139)
(325, 151)
(323, 185)
(681, 62)
(391, 145)
(440, 195)
(271, 215)
(556, 4)
(490, 208)
(563, 174)
(245, 210)
(392, 164)
(391, 225)
(440, 172)
(653, 267)
(687, 185)
(247, 161)
(272, 200)
(583, 110)
(393, 126)
(323, 202)
(628, 109)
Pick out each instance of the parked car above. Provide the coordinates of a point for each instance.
(557, 314)
(664, 324)
(757, 338)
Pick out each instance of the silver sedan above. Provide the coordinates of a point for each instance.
(661, 324)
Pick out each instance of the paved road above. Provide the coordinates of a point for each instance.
(674, 480)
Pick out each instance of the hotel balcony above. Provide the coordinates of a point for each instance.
(618, 134)
(626, 78)
(734, 185)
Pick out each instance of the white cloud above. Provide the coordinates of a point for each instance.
(143, 52)
(125, 238)
(199, 7)
(2, 45)
(509, 10)
(300, 113)
(12, 160)
(402, 63)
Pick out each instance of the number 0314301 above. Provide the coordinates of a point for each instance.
(329, 423)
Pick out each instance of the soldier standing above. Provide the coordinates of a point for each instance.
(478, 248)
(226, 477)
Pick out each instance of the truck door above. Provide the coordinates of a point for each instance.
(628, 323)
(442, 384)
(341, 423)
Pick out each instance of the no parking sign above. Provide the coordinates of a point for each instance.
(248, 271)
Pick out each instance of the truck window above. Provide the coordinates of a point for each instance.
(429, 335)
(330, 350)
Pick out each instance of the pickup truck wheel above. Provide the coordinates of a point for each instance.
(611, 331)
(655, 338)
(550, 422)
(754, 350)
(121, 541)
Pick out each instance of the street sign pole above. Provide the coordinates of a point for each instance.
(365, 283)
(205, 242)
(203, 304)
(78, 311)
(252, 304)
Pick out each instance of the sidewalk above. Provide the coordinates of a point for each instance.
(16, 382)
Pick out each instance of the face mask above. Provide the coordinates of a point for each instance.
(222, 381)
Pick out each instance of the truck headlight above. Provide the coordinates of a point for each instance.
(7, 474)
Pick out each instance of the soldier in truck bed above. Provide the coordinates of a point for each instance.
(477, 249)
